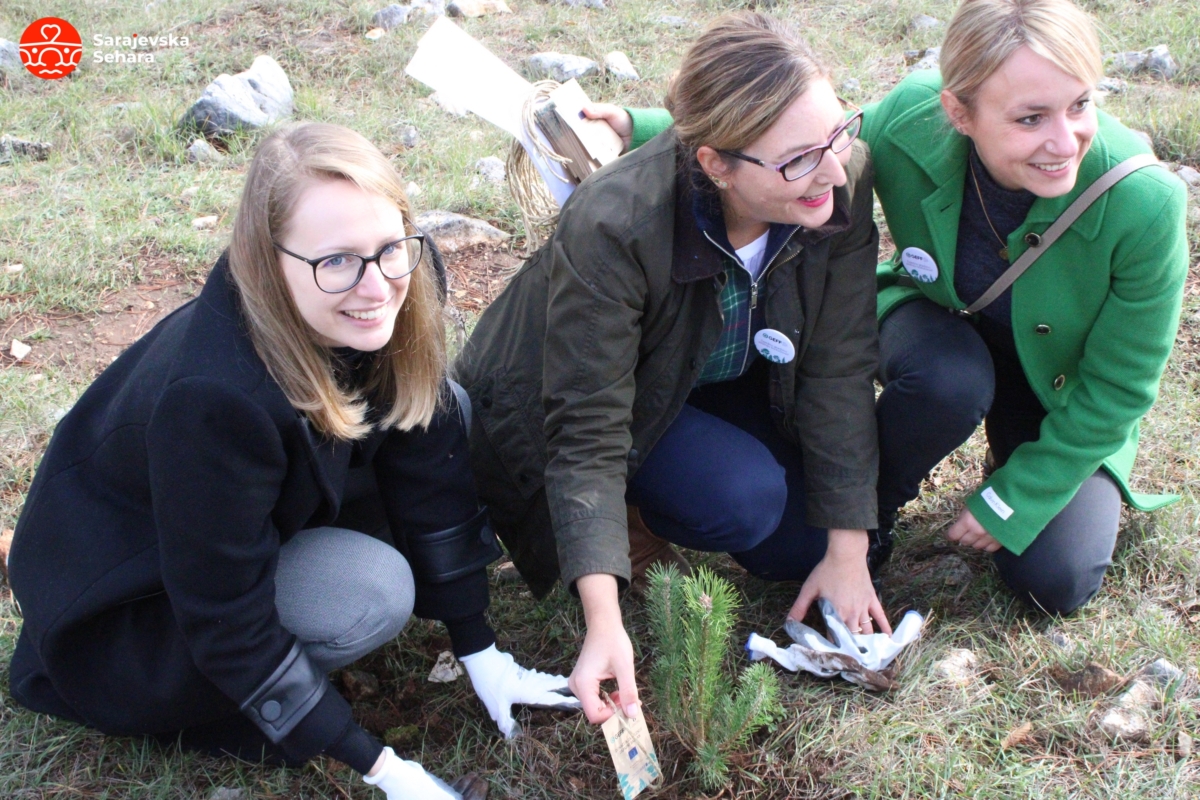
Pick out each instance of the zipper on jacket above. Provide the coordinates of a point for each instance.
(753, 287)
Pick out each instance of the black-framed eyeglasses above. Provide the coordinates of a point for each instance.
(341, 272)
(800, 165)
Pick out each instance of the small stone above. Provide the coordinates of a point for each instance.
(188, 194)
(409, 137)
(225, 793)
(851, 85)
(204, 223)
(390, 17)
(958, 666)
(1125, 725)
(255, 98)
(924, 22)
(360, 684)
(201, 152)
(1163, 672)
(1091, 681)
(13, 269)
(453, 232)
(12, 148)
(10, 59)
(447, 668)
(928, 59)
(561, 67)
(19, 349)
(673, 22)
(1183, 746)
(412, 190)
(1190, 176)
(491, 169)
(430, 8)
(1127, 63)
(1159, 61)
(597, 4)
(450, 106)
(375, 34)
(1112, 85)
(1139, 697)
(618, 65)
(507, 572)
(476, 8)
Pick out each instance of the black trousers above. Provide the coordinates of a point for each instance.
(940, 382)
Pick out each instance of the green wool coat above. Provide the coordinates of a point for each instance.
(1094, 318)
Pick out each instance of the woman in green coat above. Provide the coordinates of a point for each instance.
(971, 167)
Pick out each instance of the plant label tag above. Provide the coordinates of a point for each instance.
(919, 264)
(632, 752)
(774, 346)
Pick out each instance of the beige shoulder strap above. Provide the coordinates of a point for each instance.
(1056, 229)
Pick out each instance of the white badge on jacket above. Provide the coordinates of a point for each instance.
(774, 346)
(919, 264)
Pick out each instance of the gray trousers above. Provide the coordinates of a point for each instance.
(342, 593)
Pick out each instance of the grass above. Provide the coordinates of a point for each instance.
(106, 212)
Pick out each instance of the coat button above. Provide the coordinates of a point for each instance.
(1042, 330)
(1033, 240)
(633, 454)
(270, 710)
(1059, 382)
(486, 401)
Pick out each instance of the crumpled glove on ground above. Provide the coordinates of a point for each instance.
(408, 780)
(859, 658)
(500, 683)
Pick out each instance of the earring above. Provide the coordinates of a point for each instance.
(720, 183)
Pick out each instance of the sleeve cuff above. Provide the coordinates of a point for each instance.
(356, 748)
(648, 123)
(470, 635)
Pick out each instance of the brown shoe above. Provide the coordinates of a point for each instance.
(645, 549)
(6, 538)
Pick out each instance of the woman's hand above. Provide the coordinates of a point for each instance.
(501, 683)
(967, 531)
(842, 578)
(617, 118)
(607, 652)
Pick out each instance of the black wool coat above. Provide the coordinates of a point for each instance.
(145, 555)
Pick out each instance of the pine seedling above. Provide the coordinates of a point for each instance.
(692, 620)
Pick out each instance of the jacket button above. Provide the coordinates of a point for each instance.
(633, 454)
(1059, 382)
(270, 710)
(486, 401)
(1042, 330)
(1033, 240)
(694, 364)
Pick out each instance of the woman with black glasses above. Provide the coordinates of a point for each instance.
(695, 347)
(264, 488)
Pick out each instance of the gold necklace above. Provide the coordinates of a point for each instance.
(983, 205)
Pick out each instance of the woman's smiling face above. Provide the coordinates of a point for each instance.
(1032, 124)
(335, 216)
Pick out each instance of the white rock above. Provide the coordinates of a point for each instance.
(1127, 63)
(13, 269)
(1192, 178)
(201, 152)
(1139, 697)
(412, 190)
(476, 8)
(491, 169)
(618, 65)
(453, 232)
(1126, 725)
(958, 666)
(10, 59)
(561, 67)
(19, 349)
(204, 223)
(430, 8)
(1112, 85)
(449, 105)
(1163, 672)
(447, 668)
(929, 59)
(392, 16)
(409, 137)
(924, 22)
(1159, 61)
(252, 99)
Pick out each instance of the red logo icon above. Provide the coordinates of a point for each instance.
(51, 48)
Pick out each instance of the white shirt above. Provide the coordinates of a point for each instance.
(752, 254)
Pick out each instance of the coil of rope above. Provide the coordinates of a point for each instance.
(539, 211)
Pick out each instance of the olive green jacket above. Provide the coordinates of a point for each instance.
(1094, 319)
(588, 355)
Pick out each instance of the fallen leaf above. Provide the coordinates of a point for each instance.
(446, 669)
(1018, 735)
(376, 33)
(19, 349)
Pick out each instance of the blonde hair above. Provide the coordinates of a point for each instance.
(739, 77)
(407, 376)
(984, 33)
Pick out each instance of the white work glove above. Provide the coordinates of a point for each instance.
(501, 683)
(408, 780)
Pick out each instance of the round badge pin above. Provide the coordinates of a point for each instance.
(774, 346)
(919, 264)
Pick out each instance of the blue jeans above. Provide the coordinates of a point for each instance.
(940, 382)
(722, 479)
